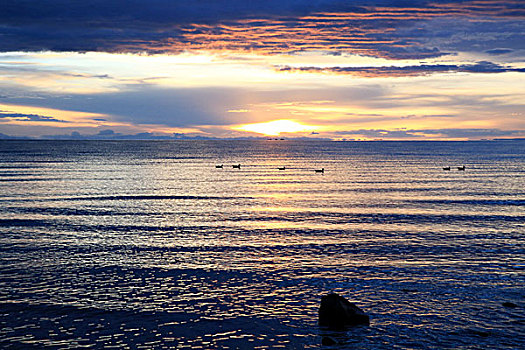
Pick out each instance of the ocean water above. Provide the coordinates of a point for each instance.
(146, 245)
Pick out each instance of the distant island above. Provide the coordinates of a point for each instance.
(145, 136)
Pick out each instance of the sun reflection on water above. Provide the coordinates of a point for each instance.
(150, 245)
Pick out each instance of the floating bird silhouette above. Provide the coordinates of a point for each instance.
(282, 168)
(319, 170)
(219, 166)
(238, 166)
(461, 168)
(446, 168)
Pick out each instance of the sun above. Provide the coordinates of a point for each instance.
(276, 127)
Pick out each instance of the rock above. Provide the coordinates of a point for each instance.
(509, 304)
(336, 312)
(328, 341)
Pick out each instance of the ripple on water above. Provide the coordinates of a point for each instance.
(148, 245)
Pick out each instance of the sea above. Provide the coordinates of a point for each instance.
(150, 245)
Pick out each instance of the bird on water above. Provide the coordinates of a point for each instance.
(319, 170)
(238, 166)
(219, 166)
(461, 168)
(282, 168)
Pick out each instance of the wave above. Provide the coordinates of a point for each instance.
(149, 197)
(30, 180)
(358, 218)
(511, 202)
(328, 218)
(126, 198)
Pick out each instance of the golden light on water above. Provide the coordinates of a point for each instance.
(276, 127)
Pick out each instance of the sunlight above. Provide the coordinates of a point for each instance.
(276, 127)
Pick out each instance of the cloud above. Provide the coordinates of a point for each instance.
(29, 117)
(489, 102)
(187, 107)
(406, 71)
(499, 51)
(381, 28)
(429, 133)
(238, 111)
(20, 67)
(8, 137)
(109, 134)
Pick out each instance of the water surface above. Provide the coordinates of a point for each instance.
(136, 244)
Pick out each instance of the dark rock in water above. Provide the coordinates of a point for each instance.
(328, 341)
(336, 312)
(509, 304)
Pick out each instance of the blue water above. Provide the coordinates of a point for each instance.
(146, 245)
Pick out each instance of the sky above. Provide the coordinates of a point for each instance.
(331, 69)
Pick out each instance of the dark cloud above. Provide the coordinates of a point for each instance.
(391, 29)
(29, 117)
(499, 51)
(404, 71)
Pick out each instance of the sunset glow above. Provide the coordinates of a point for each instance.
(277, 174)
(276, 127)
(449, 70)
